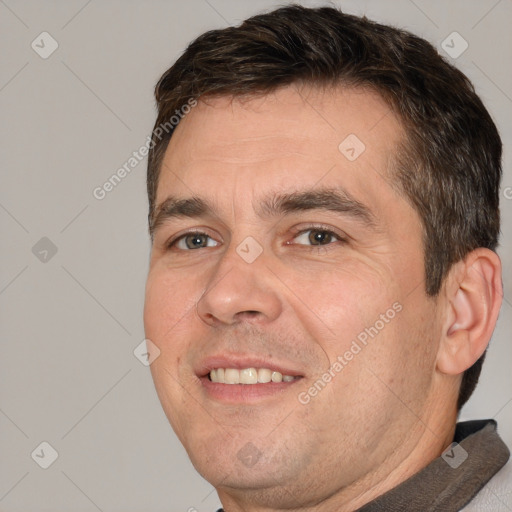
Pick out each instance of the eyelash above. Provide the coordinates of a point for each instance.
(295, 233)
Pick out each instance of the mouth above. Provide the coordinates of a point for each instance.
(245, 380)
(248, 376)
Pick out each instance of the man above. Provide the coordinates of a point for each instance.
(323, 283)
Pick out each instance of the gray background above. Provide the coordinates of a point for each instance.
(68, 375)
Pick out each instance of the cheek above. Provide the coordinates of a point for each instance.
(398, 362)
(169, 309)
(169, 313)
(346, 298)
(169, 298)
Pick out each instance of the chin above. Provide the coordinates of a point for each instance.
(239, 463)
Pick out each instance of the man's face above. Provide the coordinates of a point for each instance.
(304, 256)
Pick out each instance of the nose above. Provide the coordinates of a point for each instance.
(239, 291)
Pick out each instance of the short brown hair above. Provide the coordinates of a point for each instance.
(449, 168)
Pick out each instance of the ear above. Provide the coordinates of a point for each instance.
(473, 299)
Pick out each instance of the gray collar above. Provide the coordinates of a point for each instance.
(452, 480)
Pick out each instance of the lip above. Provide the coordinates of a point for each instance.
(243, 361)
(244, 393)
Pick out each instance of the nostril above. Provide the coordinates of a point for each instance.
(249, 314)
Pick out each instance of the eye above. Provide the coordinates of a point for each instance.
(316, 236)
(190, 241)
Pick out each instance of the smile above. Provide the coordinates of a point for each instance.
(248, 376)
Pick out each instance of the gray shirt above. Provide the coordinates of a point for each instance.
(452, 480)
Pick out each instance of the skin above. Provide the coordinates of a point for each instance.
(391, 409)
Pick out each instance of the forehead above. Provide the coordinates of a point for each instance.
(291, 138)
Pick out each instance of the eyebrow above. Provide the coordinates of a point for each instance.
(272, 205)
(328, 199)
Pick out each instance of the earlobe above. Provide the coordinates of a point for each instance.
(474, 294)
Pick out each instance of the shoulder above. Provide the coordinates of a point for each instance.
(496, 495)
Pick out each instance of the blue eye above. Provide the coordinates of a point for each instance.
(193, 241)
(314, 237)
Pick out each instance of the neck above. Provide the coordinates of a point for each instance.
(426, 441)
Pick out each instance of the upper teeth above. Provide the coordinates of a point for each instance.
(247, 376)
